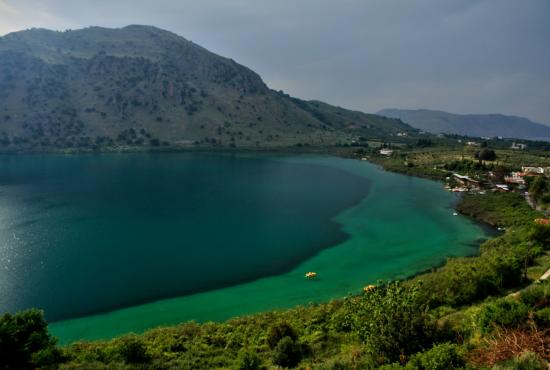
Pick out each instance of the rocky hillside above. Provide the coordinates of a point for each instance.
(480, 125)
(141, 86)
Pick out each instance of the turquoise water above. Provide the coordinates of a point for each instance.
(129, 242)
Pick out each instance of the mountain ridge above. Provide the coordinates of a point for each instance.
(144, 86)
(478, 125)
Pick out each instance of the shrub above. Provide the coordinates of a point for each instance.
(502, 312)
(133, 350)
(542, 318)
(334, 364)
(248, 360)
(509, 344)
(25, 342)
(391, 320)
(288, 353)
(394, 366)
(278, 331)
(540, 236)
(537, 296)
(527, 361)
(464, 280)
(440, 357)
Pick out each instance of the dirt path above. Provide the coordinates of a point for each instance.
(545, 276)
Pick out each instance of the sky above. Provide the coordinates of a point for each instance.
(462, 56)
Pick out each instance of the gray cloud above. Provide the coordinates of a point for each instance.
(468, 56)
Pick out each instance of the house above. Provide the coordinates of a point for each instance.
(402, 134)
(502, 187)
(466, 182)
(518, 146)
(515, 178)
(472, 143)
(386, 152)
(530, 171)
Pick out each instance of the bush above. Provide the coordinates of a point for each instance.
(133, 351)
(248, 360)
(465, 280)
(334, 364)
(278, 331)
(542, 318)
(391, 320)
(25, 342)
(439, 357)
(540, 236)
(504, 313)
(527, 361)
(288, 353)
(537, 296)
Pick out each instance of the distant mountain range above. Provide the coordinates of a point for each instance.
(143, 86)
(480, 125)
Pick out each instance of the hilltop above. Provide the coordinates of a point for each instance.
(480, 125)
(140, 86)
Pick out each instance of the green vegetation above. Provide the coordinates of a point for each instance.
(25, 342)
(498, 209)
(539, 190)
(391, 320)
(458, 316)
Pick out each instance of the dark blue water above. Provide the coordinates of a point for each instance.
(83, 234)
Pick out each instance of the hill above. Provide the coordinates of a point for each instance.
(480, 125)
(143, 86)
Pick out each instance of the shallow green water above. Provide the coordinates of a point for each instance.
(225, 235)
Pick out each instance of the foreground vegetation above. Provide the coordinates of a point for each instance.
(461, 315)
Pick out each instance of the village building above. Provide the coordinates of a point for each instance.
(466, 181)
(515, 178)
(502, 187)
(518, 146)
(386, 152)
(530, 171)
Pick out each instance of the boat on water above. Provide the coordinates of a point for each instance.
(311, 275)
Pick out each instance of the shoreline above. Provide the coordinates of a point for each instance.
(400, 273)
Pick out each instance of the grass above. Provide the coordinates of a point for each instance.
(541, 265)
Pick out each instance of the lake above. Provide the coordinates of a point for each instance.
(112, 243)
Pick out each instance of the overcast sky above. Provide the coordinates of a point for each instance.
(463, 56)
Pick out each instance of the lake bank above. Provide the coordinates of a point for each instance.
(343, 268)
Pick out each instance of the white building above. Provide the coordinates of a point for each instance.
(518, 146)
(386, 152)
(533, 170)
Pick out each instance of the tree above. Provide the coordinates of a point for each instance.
(500, 172)
(540, 235)
(25, 342)
(485, 155)
(278, 331)
(537, 188)
(133, 350)
(248, 360)
(423, 143)
(288, 353)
